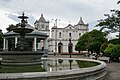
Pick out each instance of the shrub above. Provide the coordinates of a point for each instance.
(113, 51)
(114, 41)
(103, 47)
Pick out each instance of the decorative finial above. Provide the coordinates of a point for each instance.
(23, 13)
(80, 18)
(80, 21)
(23, 17)
(42, 15)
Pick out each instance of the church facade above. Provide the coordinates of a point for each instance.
(59, 40)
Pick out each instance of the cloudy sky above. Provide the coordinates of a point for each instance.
(68, 11)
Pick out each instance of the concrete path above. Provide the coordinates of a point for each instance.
(113, 71)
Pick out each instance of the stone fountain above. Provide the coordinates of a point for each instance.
(21, 55)
(22, 45)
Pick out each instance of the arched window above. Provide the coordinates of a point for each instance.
(79, 34)
(60, 35)
(70, 35)
(60, 47)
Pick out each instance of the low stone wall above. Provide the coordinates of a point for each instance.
(91, 73)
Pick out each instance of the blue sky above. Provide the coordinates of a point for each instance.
(65, 10)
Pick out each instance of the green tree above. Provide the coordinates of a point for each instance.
(96, 39)
(112, 22)
(91, 41)
(82, 41)
(103, 47)
(1, 40)
(114, 41)
(11, 26)
(113, 51)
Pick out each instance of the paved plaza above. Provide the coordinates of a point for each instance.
(113, 71)
(113, 67)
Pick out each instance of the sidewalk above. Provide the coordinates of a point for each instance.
(113, 71)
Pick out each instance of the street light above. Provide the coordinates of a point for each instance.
(70, 47)
(70, 51)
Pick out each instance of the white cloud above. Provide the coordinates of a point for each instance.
(5, 21)
(66, 10)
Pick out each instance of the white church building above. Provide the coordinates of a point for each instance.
(59, 40)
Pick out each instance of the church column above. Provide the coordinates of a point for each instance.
(45, 46)
(4, 42)
(16, 39)
(35, 44)
(6, 46)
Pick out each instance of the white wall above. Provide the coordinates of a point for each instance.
(65, 38)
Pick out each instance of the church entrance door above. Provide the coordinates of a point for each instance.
(60, 48)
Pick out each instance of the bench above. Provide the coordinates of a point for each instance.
(105, 59)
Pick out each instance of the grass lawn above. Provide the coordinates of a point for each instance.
(21, 69)
(84, 64)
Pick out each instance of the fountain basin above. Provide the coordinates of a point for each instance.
(21, 57)
(91, 73)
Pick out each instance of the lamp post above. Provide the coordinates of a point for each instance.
(70, 51)
(56, 38)
(70, 47)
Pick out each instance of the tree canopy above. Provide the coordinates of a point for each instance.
(1, 39)
(114, 41)
(113, 51)
(111, 22)
(91, 41)
(82, 41)
(11, 26)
